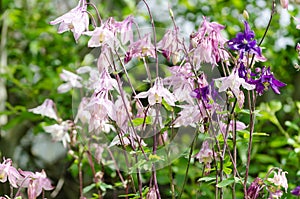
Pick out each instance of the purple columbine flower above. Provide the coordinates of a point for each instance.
(296, 191)
(244, 42)
(266, 81)
(254, 189)
(202, 92)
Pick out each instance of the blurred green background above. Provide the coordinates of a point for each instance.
(32, 55)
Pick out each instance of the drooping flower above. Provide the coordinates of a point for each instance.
(254, 189)
(141, 48)
(296, 191)
(284, 3)
(100, 108)
(105, 34)
(157, 93)
(76, 20)
(244, 42)
(46, 109)
(267, 80)
(208, 43)
(279, 179)
(72, 81)
(205, 155)
(7, 171)
(170, 46)
(182, 81)
(35, 183)
(59, 132)
(233, 82)
(125, 29)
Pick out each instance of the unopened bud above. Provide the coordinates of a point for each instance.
(171, 13)
(245, 15)
(284, 3)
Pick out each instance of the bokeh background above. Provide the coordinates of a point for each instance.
(32, 55)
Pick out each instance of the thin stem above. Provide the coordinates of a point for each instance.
(188, 166)
(234, 156)
(96, 9)
(251, 130)
(267, 28)
(154, 36)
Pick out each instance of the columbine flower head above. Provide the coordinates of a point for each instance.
(208, 43)
(255, 188)
(100, 108)
(182, 81)
(233, 82)
(205, 155)
(105, 34)
(284, 3)
(244, 42)
(59, 132)
(46, 109)
(7, 171)
(35, 183)
(266, 81)
(170, 46)
(72, 81)
(125, 29)
(279, 179)
(141, 48)
(296, 191)
(76, 20)
(156, 93)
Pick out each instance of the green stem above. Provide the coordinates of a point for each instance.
(188, 166)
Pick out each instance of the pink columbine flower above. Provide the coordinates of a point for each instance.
(182, 81)
(7, 171)
(279, 179)
(72, 81)
(59, 132)
(46, 109)
(298, 21)
(100, 36)
(141, 48)
(100, 108)
(76, 20)
(205, 155)
(208, 44)
(284, 3)
(35, 183)
(125, 29)
(233, 82)
(156, 93)
(170, 46)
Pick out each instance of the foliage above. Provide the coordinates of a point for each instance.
(36, 55)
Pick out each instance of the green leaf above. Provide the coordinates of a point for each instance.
(226, 182)
(140, 121)
(206, 179)
(292, 125)
(88, 188)
(167, 106)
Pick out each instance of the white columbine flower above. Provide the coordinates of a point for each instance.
(279, 179)
(76, 20)
(233, 82)
(46, 109)
(72, 81)
(59, 132)
(156, 93)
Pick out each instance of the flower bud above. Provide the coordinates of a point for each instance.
(284, 3)
(245, 15)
